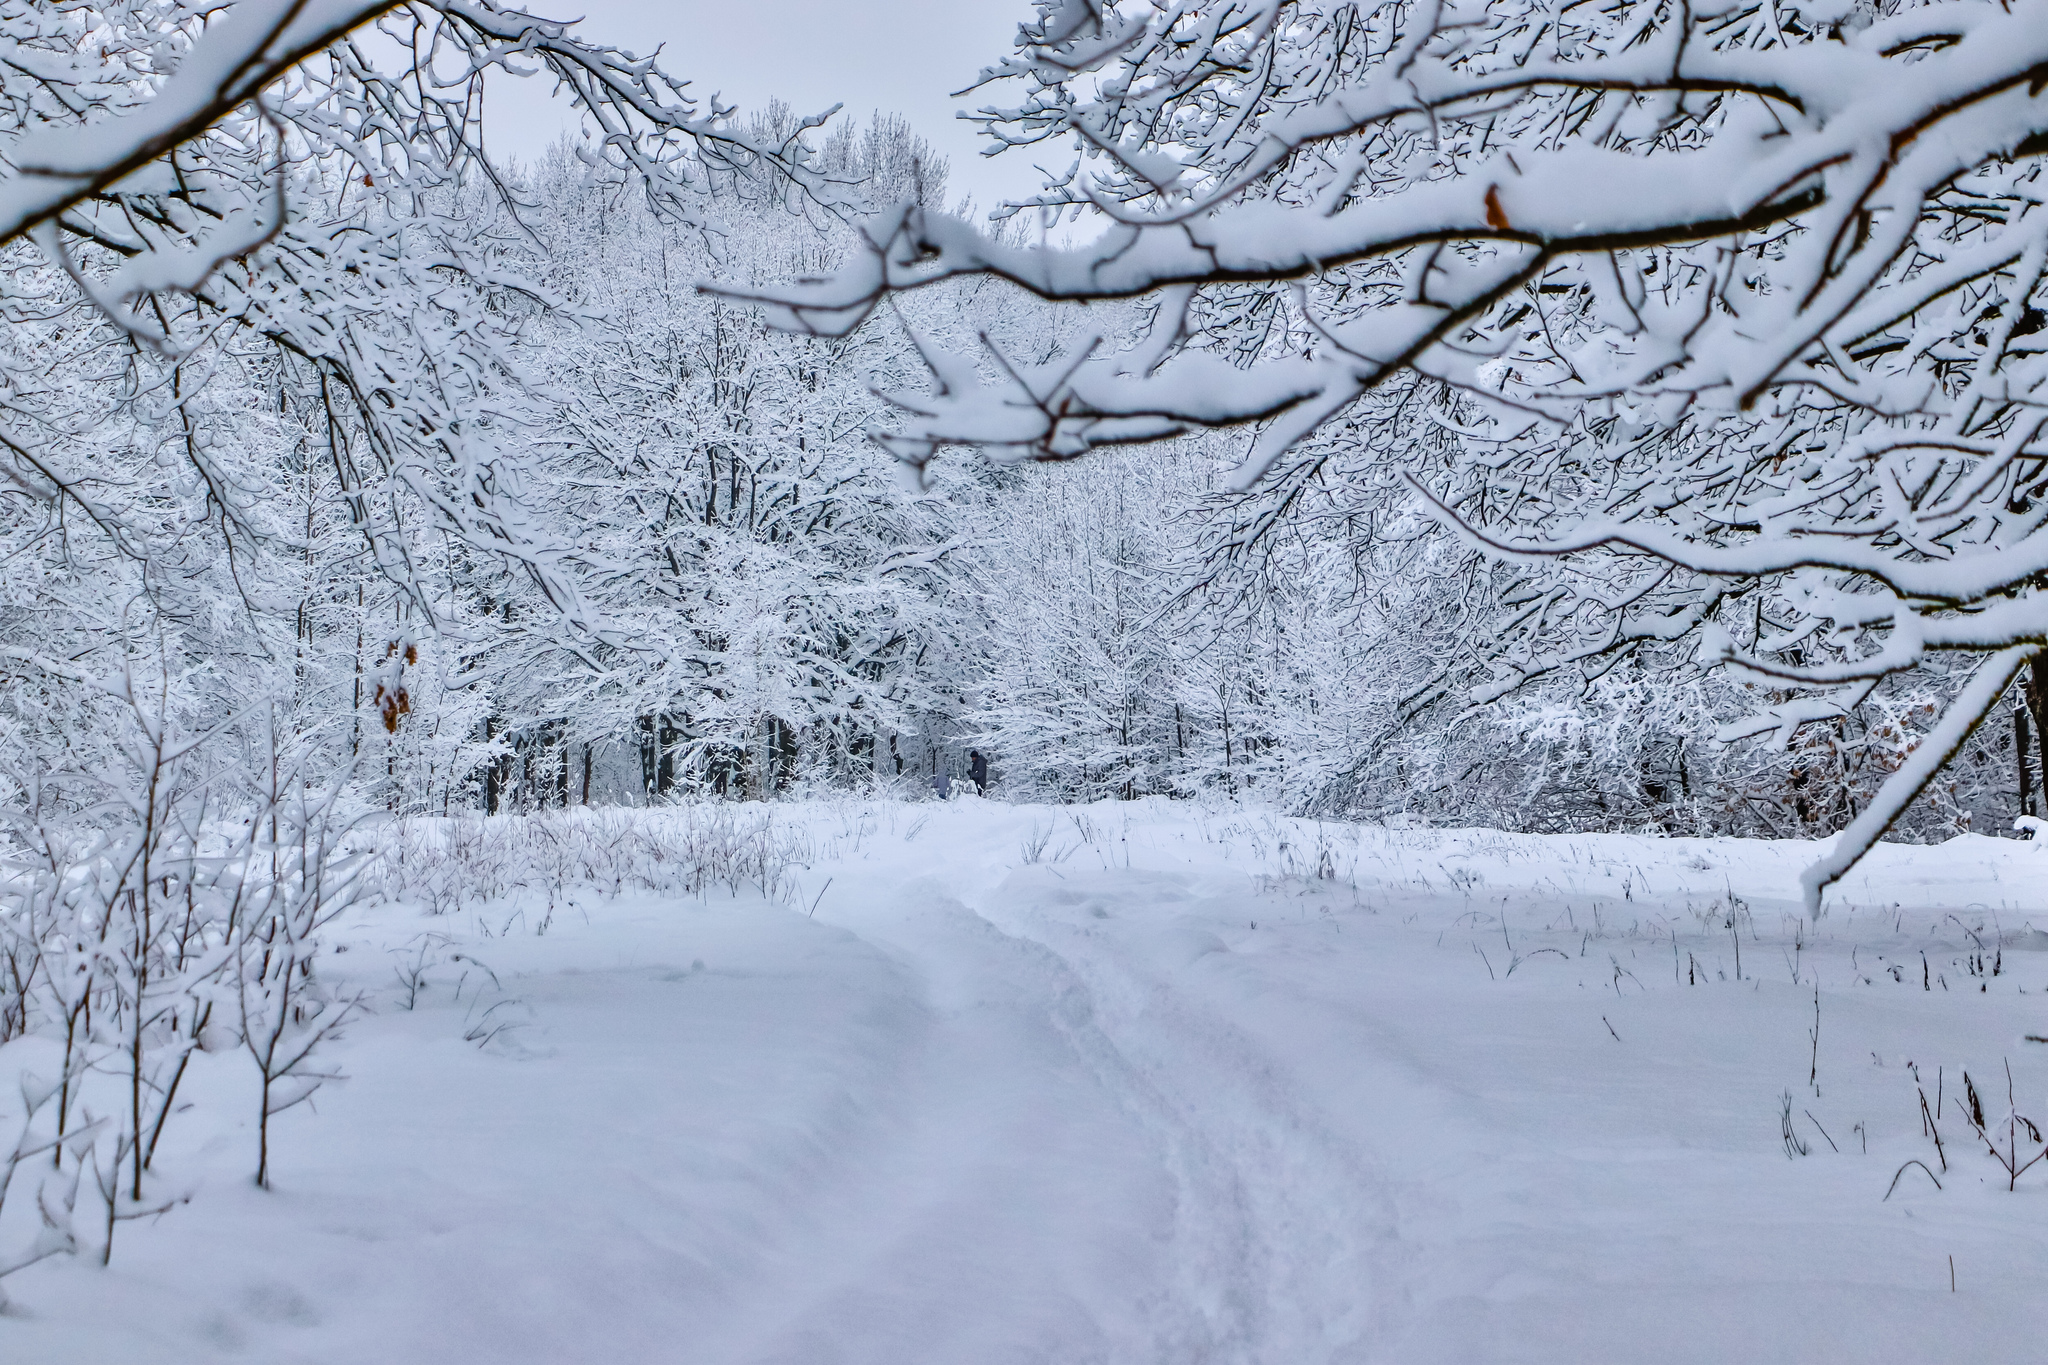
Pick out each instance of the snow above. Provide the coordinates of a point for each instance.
(59, 165)
(1166, 1093)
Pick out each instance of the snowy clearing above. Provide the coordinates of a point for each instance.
(1139, 1082)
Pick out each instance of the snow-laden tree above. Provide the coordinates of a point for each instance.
(769, 586)
(1738, 305)
(261, 396)
(1333, 544)
(1072, 668)
(262, 410)
(258, 171)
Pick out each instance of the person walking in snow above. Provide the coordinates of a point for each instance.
(942, 784)
(977, 768)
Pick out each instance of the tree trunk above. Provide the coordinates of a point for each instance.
(2020, 748)
(2035, 690)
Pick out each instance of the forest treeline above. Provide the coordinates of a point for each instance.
(715, 583)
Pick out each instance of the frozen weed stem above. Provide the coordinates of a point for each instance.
(688, 848)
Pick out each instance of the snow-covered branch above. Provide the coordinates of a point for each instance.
(1738, 312)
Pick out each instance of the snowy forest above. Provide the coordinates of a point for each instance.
(449, 478)
(1622, 421)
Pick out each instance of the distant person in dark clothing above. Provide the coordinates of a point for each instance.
(977, 768)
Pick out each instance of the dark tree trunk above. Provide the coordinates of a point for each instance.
(650, 757)
(670, 734)
(2021, 745)
(2035, 690)
(494, 773)
(782, 755)
(561, 760)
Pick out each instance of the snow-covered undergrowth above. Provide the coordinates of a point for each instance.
(968, 1082)
(459, 864)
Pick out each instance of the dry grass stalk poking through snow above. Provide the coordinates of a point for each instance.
(461, 863)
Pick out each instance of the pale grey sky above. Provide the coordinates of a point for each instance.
(901, 55)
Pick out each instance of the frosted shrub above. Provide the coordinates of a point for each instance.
(448, 865)
(151, 910)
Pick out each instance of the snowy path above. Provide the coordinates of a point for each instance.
(1148, 1151)
(1131, 1107)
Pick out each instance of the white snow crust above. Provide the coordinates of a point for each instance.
(1169, 1093)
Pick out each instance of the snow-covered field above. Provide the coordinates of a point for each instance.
(983, 1084)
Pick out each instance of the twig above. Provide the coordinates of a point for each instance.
(1914, 1161)
(1520, 959)
(1813, 1065)
(1794, 1144)
(1932, 1129)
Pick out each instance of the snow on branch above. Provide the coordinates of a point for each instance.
(1738, 313)
(262, 173)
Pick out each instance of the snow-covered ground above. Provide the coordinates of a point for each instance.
(989, 1084)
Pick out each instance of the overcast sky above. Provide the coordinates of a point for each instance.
(901, 55)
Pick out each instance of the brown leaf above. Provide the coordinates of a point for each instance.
(391, 704)
(1496, 216)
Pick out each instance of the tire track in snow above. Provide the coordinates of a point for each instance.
(1281, 1221)
(1011, 1201)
